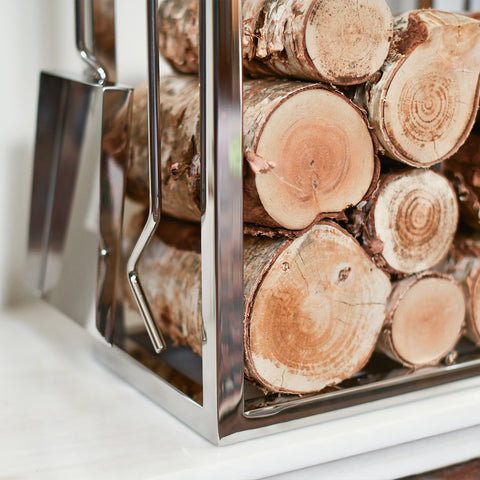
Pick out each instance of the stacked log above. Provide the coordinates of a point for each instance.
(409, 224)
(424, 319)
(316, 300)
(424, 101)
(293, 39)
(313, 306)
(301, 166)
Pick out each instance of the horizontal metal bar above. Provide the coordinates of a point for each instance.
(372, 392)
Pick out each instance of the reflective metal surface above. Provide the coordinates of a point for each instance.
(84, 24)
(155, 180)
(63, 110)
(115, 124)
(64, 107)
(222, 221)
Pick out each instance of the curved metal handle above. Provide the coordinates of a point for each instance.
(154, 178)
(82, 15)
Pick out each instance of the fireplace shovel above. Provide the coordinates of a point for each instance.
(81, 150)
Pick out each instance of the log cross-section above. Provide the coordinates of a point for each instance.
(313, 306)
(334, 41)
(410, 223)
(424, 103)
(424, 321)
(308, 150)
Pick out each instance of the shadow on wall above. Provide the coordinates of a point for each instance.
(29, 30)
(16, 205)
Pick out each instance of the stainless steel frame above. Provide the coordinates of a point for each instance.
(228, 411)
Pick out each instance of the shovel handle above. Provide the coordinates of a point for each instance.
(84, 27)
(150, 227)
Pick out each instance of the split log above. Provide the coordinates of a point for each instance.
(313, 306)
(424, 103)
(309, 153)
(463, 170)
(424, 321)
(410, 223)
(333, 41)
(463, 263)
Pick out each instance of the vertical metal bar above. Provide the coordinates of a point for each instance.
(154, 111)
(155, 183)
(222, 222)
(84, 37)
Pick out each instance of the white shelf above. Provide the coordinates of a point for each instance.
(64, 415)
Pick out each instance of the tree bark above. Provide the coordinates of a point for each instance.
(313, 306)
(463, 170)
(423, 104)
(463, 263)
(333, 41)
(308, 152)
(424, 321)
(410, 223)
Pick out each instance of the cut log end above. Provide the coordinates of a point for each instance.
(425, 104)
(323, 155)
(426, 318)
(415, 216)
(362, 34)
(317, 313)
(334, 41)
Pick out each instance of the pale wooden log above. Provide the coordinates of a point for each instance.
(334, 41)
(424, 321)
(423, 104)
(313, 306)
(463, 263)
(463, 170)
(309, 153)
(410, 223)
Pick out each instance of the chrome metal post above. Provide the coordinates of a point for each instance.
(155, 182)
(222, 223)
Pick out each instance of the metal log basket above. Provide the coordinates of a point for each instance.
(209, 394)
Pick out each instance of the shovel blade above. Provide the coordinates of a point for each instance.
(64, 112)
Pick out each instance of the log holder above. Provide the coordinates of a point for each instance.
(210, 394)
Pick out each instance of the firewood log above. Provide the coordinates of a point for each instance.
(410, 223)
(424, 321)
(463, 170)
(309, 153)
(423, 104)
(463, 263)
(334, 41)
(313, 306)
